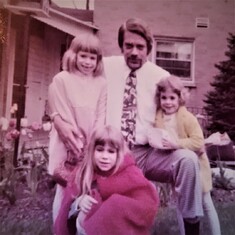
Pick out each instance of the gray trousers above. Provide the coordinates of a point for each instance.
(180, 168)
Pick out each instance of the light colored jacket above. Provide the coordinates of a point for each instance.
(191, 137)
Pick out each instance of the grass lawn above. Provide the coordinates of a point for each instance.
(32, 215)
(166, 220)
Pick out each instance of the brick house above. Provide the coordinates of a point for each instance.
(189, 35)
(189, 38)
(31, 54)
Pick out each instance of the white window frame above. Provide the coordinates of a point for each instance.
(175, 42)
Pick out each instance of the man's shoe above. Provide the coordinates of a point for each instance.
(191, 228)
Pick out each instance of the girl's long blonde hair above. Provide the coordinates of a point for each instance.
(100, 136)
(87, 42)
(174, 83)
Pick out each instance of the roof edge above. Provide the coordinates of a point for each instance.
(59, 13)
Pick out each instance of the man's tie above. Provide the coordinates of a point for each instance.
(128, 119)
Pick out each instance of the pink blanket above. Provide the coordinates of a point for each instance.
(128, 203)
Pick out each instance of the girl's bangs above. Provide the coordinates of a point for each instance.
(107, 141)
(90, 49)
(91, 45)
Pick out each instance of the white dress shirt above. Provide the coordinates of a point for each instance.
(116, 72)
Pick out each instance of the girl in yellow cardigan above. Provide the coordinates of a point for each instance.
(179, 128)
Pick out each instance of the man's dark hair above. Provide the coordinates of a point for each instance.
(137, 26)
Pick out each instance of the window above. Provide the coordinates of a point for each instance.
(176, 56)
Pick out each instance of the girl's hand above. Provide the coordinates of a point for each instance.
(169, 143)
(69, 136)
(85, 203)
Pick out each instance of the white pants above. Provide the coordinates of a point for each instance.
(80, 229)
(59, 194)
(209, 212)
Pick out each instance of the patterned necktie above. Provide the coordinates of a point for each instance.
(128, 119)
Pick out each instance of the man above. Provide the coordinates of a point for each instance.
(179, 167)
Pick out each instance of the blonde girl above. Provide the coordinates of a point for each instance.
(185, 132)
(110, 181)
(105, 136)
(77, 99)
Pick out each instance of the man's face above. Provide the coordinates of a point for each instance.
(134, 50)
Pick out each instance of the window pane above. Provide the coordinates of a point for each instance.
(184, 51)
(178, 68)
(163, 54)
(177, 50)
(175, 57)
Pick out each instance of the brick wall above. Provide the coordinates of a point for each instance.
(174, 18)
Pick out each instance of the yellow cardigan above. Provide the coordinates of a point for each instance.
(191, 137)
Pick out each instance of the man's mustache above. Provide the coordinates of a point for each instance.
(133, 57)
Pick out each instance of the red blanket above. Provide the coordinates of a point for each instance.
(129, 203)
(127, 206)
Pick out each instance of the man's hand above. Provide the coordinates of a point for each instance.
(69, 136)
